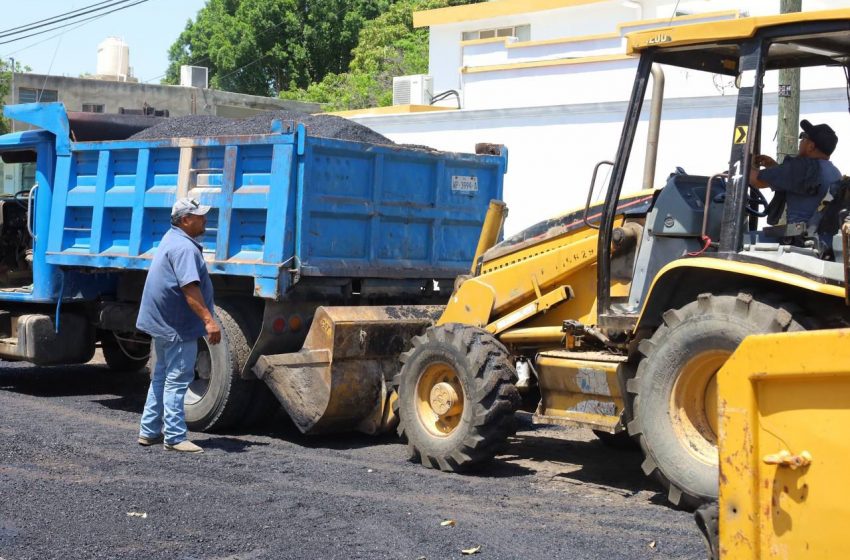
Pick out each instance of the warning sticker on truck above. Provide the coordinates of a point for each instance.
(464, 184)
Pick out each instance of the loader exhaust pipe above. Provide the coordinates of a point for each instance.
(654, 127)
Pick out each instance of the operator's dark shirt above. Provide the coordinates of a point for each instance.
(164, 312)
(789, 177)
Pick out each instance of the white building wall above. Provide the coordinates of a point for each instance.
(552, 150)
(444, 57)
(590, 19)
(558, 119)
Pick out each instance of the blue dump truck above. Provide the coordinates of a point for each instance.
(355, 243)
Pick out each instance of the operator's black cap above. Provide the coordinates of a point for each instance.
(822, 135)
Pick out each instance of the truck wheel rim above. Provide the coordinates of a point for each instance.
(693, 404)
(203, 371)
(439, 399)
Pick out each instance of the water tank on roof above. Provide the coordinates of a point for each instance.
(113, 58)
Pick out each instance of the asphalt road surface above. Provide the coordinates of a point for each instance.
(74, 484)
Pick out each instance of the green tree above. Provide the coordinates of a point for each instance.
(264, 47)
(388, 46)
(5, 89)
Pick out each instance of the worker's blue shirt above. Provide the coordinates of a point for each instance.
(805, 184)
(164, 313)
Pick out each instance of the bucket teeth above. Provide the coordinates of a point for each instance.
(635, 428)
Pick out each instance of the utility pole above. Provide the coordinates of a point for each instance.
(789, 98)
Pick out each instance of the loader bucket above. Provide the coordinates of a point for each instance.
(338, 381)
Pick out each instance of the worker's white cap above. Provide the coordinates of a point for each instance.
(186, 206)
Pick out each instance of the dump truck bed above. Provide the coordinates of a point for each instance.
(286, 206)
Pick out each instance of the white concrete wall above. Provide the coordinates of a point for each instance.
(552, 150)
(559, 120)
(444, 41)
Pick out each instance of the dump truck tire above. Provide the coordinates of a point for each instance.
(128, 357)
(219, 397)
(456, 398)
(675, 418)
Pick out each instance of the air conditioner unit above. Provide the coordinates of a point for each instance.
(194, 76)
(413, 90)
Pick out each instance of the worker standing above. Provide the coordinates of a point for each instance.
(176, 310)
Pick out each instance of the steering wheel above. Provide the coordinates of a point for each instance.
(756, 201)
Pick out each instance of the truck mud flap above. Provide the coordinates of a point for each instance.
(338, 380)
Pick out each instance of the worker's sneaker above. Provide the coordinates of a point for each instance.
(148, 441)
(184, 446)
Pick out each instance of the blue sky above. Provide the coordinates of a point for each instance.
(149, 28)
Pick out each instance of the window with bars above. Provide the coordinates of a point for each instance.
(32, 95)
(93, 108)
(521, 32)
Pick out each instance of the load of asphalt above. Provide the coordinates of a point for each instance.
(324, 126)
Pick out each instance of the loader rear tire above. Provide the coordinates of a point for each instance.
(675, 405)
(219, 397)
(456, 398)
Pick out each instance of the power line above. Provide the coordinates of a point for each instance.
(244, 66)
(59, 18)
(206, 59)
(136, 3)
(49, 38)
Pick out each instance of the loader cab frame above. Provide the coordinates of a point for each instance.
(794, 44)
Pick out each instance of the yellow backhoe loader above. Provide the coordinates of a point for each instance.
(617, 316)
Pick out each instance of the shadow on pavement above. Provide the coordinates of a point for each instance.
(228, 444)
(581, 462)
(70, 381)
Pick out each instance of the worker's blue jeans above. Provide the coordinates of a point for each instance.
(174, 370)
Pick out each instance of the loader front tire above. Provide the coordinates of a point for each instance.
(456, 398)
(675, 405)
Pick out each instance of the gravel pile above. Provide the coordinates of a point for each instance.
(325, 126)
(190, 125)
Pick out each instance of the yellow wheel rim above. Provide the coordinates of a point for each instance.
(693, 404)
(439, 399)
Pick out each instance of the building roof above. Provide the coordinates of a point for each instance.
(492, 9)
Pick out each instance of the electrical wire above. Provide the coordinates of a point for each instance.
(206, 59)
(244, 66)
(673, 15)
(445, 95)
(60, 18)
(48, 38)
(49, 68)
(135, 3)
